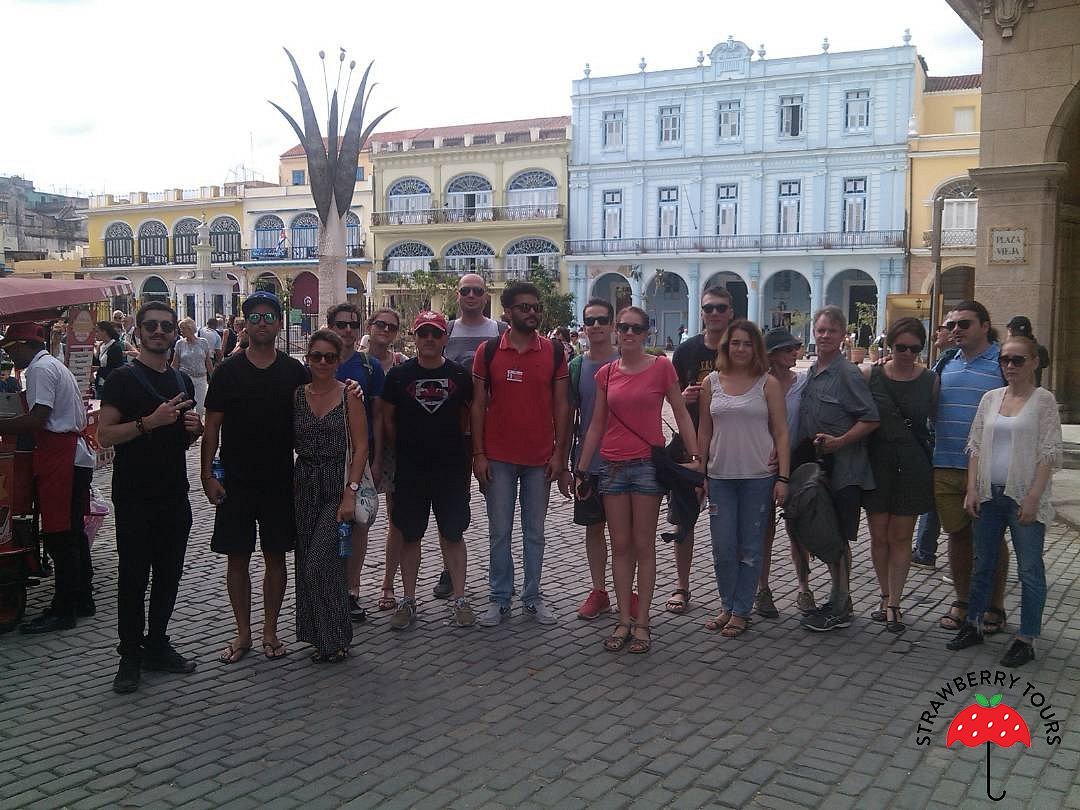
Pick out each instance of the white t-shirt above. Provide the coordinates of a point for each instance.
(49, 382)
(211, 337)
(465, 340)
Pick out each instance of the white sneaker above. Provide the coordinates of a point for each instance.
(541, 612)
(494, 615)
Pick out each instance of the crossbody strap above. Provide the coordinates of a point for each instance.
(153, 392)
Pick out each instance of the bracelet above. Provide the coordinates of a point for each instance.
(783, 479)
(479, 453)
(139, 425)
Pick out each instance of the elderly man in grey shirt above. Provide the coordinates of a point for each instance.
(836, 415)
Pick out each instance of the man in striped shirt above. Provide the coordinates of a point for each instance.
(970, 374)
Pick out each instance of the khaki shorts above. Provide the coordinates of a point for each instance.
(949, 489)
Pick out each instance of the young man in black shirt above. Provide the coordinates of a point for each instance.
(147, 413)
(249, 409)
(694, 360)
(425, 407)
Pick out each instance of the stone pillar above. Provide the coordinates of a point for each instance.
(753, 294)
(636, 297)
(817, 286)
(693, 304)
(884, 287)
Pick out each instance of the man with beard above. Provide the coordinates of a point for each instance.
(520, 421)
(249, 409)
(147, 413)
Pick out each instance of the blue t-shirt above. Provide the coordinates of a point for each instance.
(586, 394)
(354, 369)
(963, 384)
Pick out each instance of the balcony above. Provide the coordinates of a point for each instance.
(500, 276)
(951, 238)
(454, 216)
(232, 257)
(286, 253)
(748, 243)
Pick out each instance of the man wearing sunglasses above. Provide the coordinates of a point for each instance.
(694, 360)
(147, 414)
(972, 372)
(249, 410)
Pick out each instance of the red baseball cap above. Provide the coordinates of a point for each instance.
(436, 319)
(24, 330)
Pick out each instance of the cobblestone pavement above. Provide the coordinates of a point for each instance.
(525, 716)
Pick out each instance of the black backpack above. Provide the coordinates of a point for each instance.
(810, 512)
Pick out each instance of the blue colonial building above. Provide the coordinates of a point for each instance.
(780, 179)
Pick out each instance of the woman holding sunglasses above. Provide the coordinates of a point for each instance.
(1014, 444)
(626, 423)
(326, 423)
(900, 458)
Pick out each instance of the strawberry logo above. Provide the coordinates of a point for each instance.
(988, 721)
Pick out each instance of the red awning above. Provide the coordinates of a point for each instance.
(33, 298)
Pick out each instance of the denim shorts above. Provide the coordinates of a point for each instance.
(638, 475)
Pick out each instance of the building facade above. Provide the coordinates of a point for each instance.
(36, 225)
(487, 198)
(782, 180)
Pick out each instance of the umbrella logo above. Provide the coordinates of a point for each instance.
(988, 722)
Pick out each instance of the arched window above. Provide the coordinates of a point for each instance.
(269, 237)
(409, 257)
(960, 214)
(409, 202)
(154, 289)
(531, 190)
(305, 237)
(267, 282)
(469, 256)
(153, 243)
(468, 199)
(353, 236)
(185, 237)
(119, 245)
(523, 254)
(225, 240)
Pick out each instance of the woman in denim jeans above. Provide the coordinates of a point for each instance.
(746, 438)
(632, 391)
(1014, 443)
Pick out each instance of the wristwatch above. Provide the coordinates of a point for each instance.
(354, 487)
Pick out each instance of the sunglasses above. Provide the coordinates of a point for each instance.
(709, 309)
(265, 317)
(467, 291)
(381, 324)
(963, 323)
(599, 320)
(1017, 360)
(346, 324)
(167, 327)
(427, 332)
(322, 357)
(636, 328)
(907, 347)
(526, 308)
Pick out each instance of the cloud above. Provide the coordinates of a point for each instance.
(75, 128)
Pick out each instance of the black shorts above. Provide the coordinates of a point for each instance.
(443, 490)
(243, 507)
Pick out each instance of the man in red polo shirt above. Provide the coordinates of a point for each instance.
(520, 418)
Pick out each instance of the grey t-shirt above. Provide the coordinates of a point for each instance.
(464, 340)
(587, 396)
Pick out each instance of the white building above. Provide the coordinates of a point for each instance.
(782, 180)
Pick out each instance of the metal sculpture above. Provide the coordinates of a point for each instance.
(332, 168)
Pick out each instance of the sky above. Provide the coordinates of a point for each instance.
(117, 96)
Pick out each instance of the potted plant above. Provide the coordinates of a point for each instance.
(865, 323)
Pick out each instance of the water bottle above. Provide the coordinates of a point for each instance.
(217, 469)
(344, 543)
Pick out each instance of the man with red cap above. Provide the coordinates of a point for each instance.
(63, 468)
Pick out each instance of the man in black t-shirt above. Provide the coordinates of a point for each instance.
(147, 413)
(249, 409)
(694, 360)
(426, 405)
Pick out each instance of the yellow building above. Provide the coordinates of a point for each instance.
(943, 145)
(487, 198)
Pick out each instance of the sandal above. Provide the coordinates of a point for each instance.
(386, 601)
(275, 649)
(993, 626)
(615, 642)
(678, 606)
(719, 623)
(894, 624)
(732, 630)
(880, 615)
(952, 622)
(331, 658)
(640, 646)
(232, 655)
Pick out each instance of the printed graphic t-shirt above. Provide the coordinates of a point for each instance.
(429, 405)
(693, 361)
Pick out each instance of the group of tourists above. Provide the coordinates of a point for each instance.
(297, 453)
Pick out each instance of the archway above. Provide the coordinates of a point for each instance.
(354, 289)
(855, 291)
(786, 302)
(305, 297)
(124, 303)
(957, 284)
(734, 284)
(1063, 146)
(667, 301)
(154, 288)
(267, 282)
(614, 288)
(235, 297)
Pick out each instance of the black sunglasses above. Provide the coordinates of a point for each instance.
(636, 328)
(429, 332)
(907, 347)
(709, 309)
(265, 317)
(526, 308)
(381, 324)
(601, 320)
(165, 326)
(346, 324)
(322, 357)
(1017, 360)
(963, 323)
(477, 291)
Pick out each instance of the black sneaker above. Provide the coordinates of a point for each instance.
(968, 636)
(823, 623)
(923, 562)
(128, 675)
(445, 587)
(47, 622)
(1019, 654)
(356, 613)
(166, 659)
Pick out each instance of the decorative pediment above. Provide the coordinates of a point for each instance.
(730, 56)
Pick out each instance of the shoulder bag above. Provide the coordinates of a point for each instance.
(366, 508)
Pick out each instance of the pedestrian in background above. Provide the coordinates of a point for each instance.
(193, 356)
(1020, 326)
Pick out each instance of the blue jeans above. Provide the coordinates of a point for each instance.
(502, 494)
(1027, 539)
(926, 535)
(739, 511)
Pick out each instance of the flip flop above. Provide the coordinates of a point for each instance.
(273, 651)
(232, 655)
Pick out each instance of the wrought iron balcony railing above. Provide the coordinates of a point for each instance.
(500, 276)
(952, 238)
(224, 257)
(453, 216)
(739, 243)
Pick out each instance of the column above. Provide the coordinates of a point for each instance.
(693, 304)
(636, 297)
(817, 290)
(753, 294)
(885, 283)
(581, 287)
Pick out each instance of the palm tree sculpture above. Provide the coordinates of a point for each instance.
(332, 169)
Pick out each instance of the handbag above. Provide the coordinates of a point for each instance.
(366, 508)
